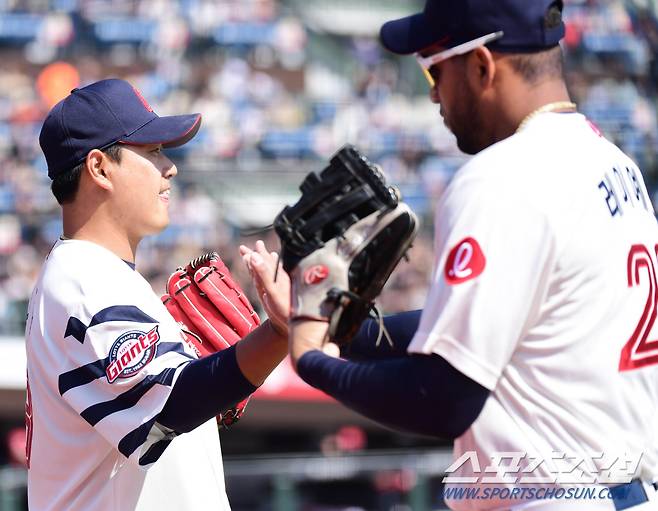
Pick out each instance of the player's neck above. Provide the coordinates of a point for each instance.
(528, 100)
(100, 230)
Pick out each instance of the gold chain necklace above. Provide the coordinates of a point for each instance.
(566, 106)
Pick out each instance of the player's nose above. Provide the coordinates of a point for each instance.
(169, 170)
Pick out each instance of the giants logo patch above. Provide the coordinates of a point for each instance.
(465, 262)
(315, 274)
(131, 352)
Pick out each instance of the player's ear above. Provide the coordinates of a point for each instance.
(483, 67)
(99, 169)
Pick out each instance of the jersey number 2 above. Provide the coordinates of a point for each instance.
(639, 351)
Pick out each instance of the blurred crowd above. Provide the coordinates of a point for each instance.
(279, 93)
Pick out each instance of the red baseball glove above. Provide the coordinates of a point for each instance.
(212, 309)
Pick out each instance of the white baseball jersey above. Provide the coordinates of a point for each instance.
(545, 292)
(102, 356)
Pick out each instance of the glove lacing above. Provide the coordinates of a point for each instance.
(374, 313)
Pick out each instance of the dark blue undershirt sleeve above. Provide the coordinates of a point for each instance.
(205, 388)
(420, 394)
(401, 328)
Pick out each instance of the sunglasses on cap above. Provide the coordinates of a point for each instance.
(431, 60)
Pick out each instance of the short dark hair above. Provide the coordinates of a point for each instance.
(65, 185)
(534, 67)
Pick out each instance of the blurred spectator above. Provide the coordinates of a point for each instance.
(278, 96)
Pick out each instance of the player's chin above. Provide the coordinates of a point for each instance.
(158, 224)
(467, 144)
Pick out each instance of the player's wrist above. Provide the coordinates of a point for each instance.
(306, 335)
(278, 330)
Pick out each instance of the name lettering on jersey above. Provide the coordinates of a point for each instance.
(623, 188)
(465, 261)
(131, 352)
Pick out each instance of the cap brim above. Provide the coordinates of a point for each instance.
(408, 35)
(171, 131)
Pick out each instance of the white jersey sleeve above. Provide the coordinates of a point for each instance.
(118, 351)
(121, 376)
(488, 280)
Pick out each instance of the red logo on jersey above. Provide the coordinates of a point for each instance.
(131, 352)
(315, 274)
(141, 98)
(465, 262)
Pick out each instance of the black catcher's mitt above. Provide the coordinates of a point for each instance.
(341, 241)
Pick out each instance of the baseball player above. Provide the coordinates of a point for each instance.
(536, 349)
(120, 411)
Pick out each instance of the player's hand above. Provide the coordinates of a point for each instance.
(275, 296)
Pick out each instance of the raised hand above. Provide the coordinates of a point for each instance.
(274, 295)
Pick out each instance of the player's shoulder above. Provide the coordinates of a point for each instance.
(498, 161)
(548, 150)
(523, 171)
(77, 269)
(78, 258)
(489, 170)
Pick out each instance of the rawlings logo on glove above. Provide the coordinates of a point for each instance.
(315, 274)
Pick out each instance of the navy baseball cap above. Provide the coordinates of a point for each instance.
(528, 25)
(102, 114)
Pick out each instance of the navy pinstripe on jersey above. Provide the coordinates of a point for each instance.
(128, 399)
(154, 452)
(123, 315)
(78, 330)
(94, 370)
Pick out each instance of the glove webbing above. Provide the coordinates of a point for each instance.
(202, 259)
(304, 230)
(318, 188)
(346, 170)
(359, 165)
